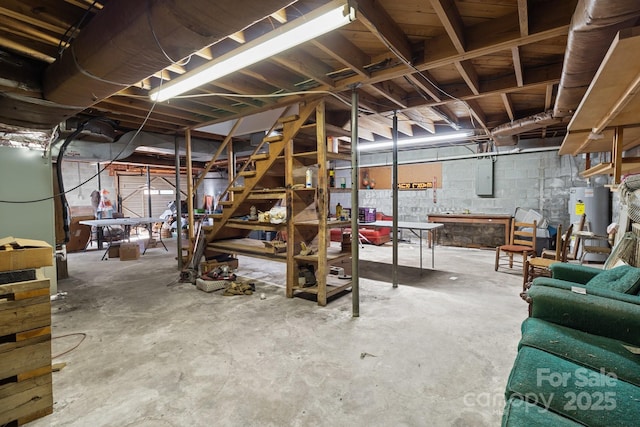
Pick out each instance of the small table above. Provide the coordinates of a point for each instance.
(127, 223)
(431, 227)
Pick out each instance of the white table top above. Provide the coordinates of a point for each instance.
(407, 224)
(106, 222)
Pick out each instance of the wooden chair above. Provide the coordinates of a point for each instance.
(539, 266)
(576, 246)
(594, 247)
(522, 242)
(561, 253)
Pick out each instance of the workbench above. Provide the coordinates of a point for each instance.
(483, 219)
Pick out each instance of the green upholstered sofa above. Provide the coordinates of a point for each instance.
(577, 361)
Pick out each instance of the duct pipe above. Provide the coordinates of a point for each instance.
(593, 26)
(127, 41)
(126, 145)
(516, 127)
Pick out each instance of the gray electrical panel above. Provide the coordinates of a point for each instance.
(484, 177)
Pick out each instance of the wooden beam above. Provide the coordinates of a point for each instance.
(447, 115)
(25, 50)
(476, 112)
(523, 17)
(142, 105)
(440, 53)
(238, 37)
(548, 97)
(378, 21)
(305, 64)
(119, 109)
(616, 154)
(205, 53)
(451, 21)
(56, 29)
(508, 106)
(280, 16)
(517, 65)
(268, 72)
(375, 127)
(469, 74)
(403, 125)
(420, 120)
(392, 92)
(420, 80)
(341, 49)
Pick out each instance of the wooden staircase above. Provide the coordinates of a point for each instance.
(263, 176)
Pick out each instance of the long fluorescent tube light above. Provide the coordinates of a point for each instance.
(320, 21)
(382, 145)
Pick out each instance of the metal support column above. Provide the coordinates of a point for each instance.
(149, 194)
(394, 183)
(355, 242)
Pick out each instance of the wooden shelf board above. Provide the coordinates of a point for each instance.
(254, 225)
(333, 254)
(330, 223)
(577, 142)
(267, 195)
(628, 166)
(600, 169)
(250, 247)
(617, 71)
(332, 288)
(611, 100)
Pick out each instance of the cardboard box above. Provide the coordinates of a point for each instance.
(129, 251)
(114, 250)
(20, 254)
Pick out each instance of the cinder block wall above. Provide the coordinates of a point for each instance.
(535, 180)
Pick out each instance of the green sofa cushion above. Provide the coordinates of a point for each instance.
(573, 391)
(624, 279)
(596, 315)
(575, 273)
(591, 351)
(520, 413)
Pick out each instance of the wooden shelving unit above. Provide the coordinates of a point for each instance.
(280, 178)
(307, 212)
(608, 118)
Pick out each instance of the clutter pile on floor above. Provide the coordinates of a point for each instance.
(223, 278)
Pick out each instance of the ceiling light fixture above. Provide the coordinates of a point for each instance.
(320, 21)
(445, 137)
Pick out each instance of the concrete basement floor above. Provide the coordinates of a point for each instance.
(436, 351)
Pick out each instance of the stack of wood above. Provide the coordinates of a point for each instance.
(25, 339)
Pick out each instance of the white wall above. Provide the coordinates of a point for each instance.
(26, 176)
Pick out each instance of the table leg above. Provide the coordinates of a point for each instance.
(433, 244)
(420, 251)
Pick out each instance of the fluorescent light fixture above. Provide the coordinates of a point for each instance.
(320, 21)
(445, 137)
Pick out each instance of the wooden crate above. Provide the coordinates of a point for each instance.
(207, 266)
(25, 352)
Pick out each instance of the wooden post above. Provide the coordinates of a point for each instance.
(323, 209)
(617, 154)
